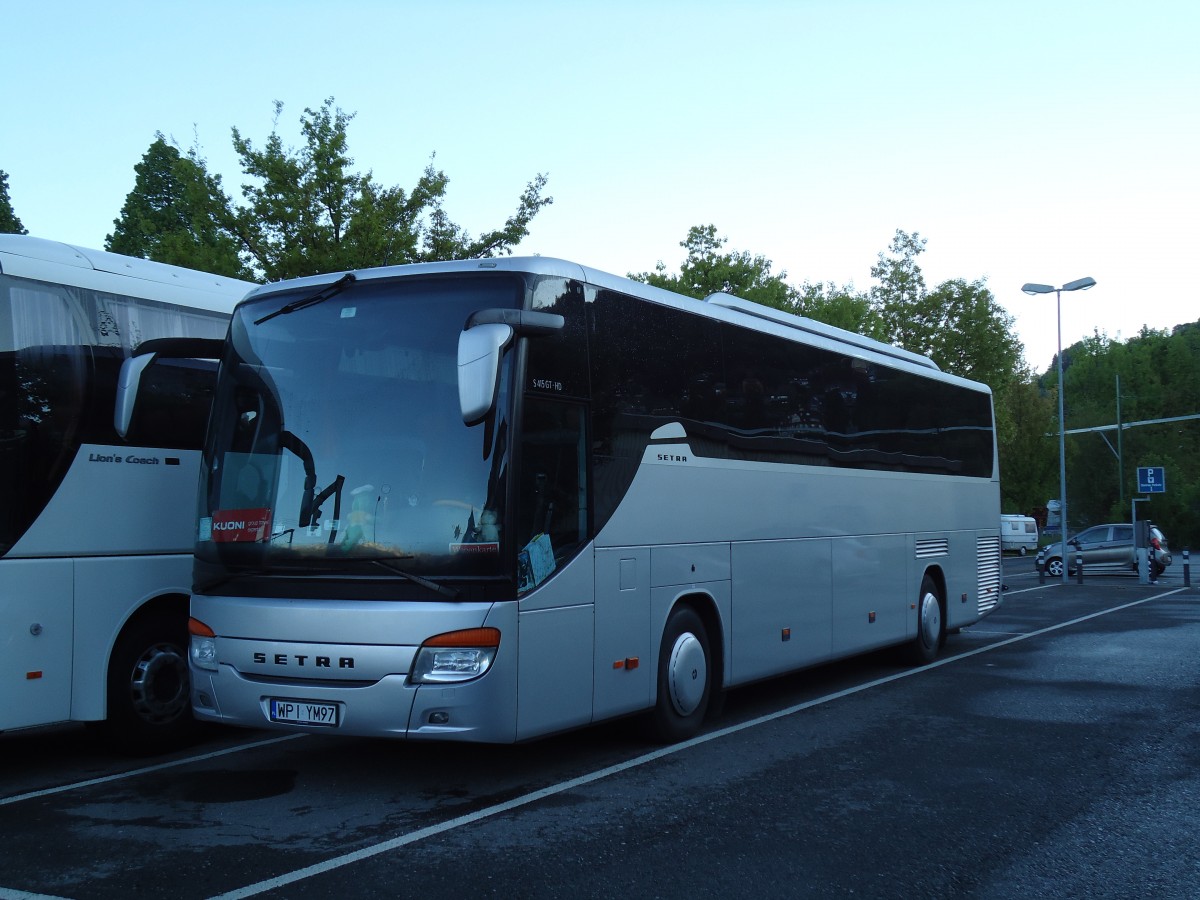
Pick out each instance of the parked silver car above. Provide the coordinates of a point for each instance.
(1105, 548)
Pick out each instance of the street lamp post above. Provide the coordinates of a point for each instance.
(1081, 284)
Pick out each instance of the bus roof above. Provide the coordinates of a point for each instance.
(725, 307)
(51, 261)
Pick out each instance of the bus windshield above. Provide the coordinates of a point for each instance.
(337, 446)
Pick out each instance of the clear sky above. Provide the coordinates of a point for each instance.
(1026, 141)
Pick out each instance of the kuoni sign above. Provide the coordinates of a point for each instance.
(229, 525)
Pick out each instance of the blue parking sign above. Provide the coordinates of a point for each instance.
(1152, 480)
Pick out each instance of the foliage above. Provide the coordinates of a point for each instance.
(1026, 420)
(841, 307)
(906, 313)
(1159, 373)
(707, 271)
(959, 324)
(9, 223)
(174, 214)
(307, 211)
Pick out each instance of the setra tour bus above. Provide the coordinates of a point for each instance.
(96, 533)
(491, 500)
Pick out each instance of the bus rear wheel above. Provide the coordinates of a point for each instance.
(931, 624)
(684, 677)
(149, 688)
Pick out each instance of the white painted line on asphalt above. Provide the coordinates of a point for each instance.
(1040, 587)
(412, 837)
(61, 789)
(9, 894)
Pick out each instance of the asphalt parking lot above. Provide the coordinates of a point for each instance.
(1052, 750)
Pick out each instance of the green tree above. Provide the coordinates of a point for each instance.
(9, 223)
(307, 211)
(958, 324)
(1025, 429)
(707, 270)
(842, 307)
(970, 334)
(175, 214)
(1159, 382)
(907, 317)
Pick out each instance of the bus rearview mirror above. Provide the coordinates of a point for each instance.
(127, 389)
(479, 350)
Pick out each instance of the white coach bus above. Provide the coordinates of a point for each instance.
(491, 500)
(96, 533)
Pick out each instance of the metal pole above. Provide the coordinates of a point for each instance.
(1120, 463)
(1062, 441)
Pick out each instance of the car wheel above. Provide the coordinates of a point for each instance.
(931, 625)
(1054, 567)
(1021, 551)
(684, 679)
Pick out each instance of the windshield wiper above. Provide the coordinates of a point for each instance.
(439, 589)
(324, 294)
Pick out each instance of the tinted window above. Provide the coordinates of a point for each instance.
(743, 394)
(60, 350)
(557, 363)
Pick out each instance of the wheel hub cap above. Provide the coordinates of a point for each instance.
(688, 674)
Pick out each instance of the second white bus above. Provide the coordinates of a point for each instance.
(96, 532)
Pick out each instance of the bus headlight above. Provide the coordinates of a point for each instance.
(455, 656)
(203, 649)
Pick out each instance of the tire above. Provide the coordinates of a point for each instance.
(1021, 551)
(684, 677)
(1054, 567)
(931, 625)
(149, 688)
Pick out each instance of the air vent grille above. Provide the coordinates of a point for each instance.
(989, 573)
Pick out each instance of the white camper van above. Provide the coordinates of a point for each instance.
(1019, 533)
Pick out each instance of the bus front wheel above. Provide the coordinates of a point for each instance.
(684, 677)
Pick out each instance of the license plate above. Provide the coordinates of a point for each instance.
(304, 712)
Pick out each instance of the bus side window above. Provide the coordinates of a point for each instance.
(553, 492)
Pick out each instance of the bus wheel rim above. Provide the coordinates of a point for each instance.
(688, 674)
(160, 684)
(931, 619)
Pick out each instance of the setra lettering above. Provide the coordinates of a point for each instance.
(301, 660)
(671, 457)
